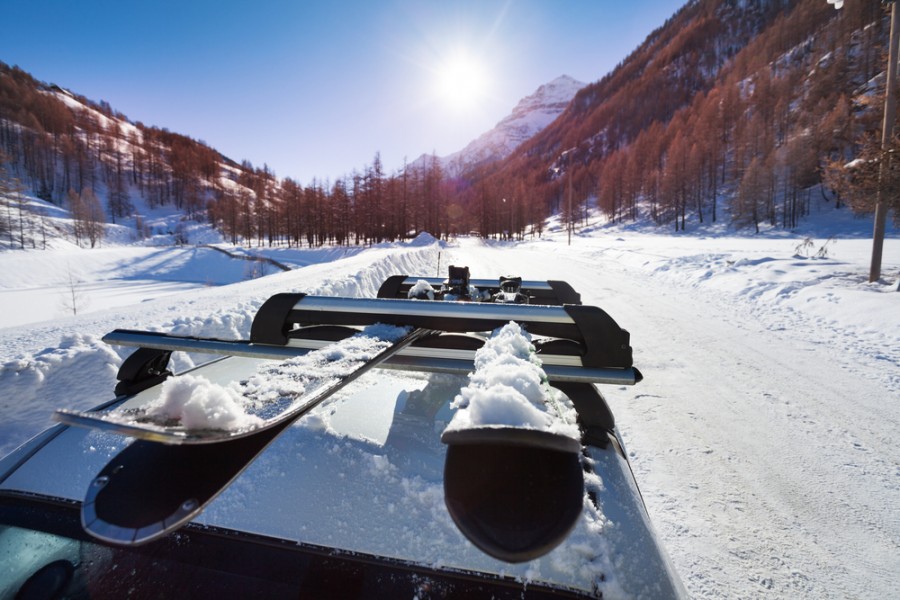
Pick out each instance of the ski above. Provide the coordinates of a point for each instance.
(151, 489)
(283, 392)
(517, 465)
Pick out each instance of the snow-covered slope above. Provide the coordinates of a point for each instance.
(764, 436)
(532, 114)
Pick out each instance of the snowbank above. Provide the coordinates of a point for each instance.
(43, 366)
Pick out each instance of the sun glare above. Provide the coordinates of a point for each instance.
(461, 82)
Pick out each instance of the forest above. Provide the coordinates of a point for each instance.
(725, 112)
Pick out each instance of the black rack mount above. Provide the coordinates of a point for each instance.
(538, 292)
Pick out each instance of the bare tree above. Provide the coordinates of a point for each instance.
(5, 192)
(87, 216)
(20, 207)
(73, 298)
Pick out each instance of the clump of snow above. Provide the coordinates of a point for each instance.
(421, 290)
(510, 389)
(423, 239)
(198, 403)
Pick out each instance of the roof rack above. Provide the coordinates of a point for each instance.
(540, 470)
(576, 342)
(602, 343)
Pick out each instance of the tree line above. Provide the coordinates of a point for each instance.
(365, 207)
(65, 154)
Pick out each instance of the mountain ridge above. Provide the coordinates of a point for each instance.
(529, 116)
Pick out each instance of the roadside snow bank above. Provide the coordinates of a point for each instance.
(79, 373)
(41, 370)
(821, 298)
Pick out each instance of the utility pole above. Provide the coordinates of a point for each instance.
(569, 224)
(887, 135)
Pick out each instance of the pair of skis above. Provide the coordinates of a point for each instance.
(169, 474)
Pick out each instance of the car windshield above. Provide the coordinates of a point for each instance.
(363, 474)
(48, 556)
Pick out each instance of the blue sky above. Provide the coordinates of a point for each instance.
(314, 90)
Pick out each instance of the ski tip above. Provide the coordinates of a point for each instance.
(515, 494)
(66, 416)
(128, 525)
(102, 421)
(145, 492)
(117, 530)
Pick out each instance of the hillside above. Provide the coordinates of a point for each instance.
(105, 170)
(59, 146)
(730, 111)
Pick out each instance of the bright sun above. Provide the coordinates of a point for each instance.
(461, 82)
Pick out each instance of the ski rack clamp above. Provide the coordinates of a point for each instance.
(143, 368)
(271, 323)
(539, 292)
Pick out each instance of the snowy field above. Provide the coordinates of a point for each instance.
(766, 433)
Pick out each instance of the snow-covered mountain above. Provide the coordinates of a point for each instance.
(532, 114)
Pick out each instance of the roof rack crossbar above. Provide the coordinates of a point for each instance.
(557, 367)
